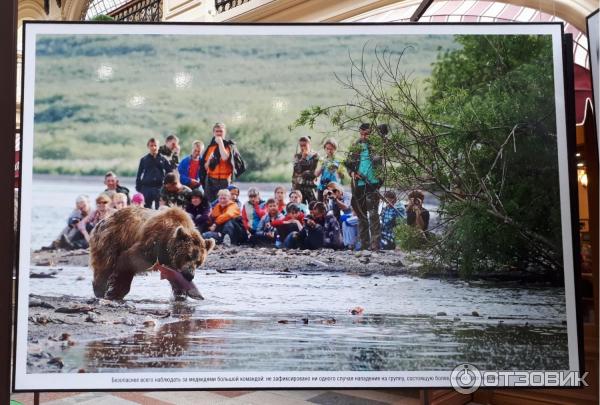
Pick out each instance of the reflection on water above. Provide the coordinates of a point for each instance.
(372, 344)
(263, 321)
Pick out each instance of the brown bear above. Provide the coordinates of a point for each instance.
(132, 239)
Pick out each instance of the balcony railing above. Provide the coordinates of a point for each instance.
(139, 10)
(225, 5)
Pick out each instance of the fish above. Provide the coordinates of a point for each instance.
(177, 280)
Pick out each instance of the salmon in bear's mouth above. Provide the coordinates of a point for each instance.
(178, 281)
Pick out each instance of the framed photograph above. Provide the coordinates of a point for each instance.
(295, 206)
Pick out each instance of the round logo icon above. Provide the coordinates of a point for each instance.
(465, 378)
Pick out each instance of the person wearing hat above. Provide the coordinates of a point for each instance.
(138, 199)
(362, 165)
(199, 209)
(330, 168)
(305, 166)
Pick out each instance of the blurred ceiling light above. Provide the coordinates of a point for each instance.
(583, 179)
(104, 72)
(182, 80)
(136, 100)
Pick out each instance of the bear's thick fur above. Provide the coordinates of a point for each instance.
(132, 239)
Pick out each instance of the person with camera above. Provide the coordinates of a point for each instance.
(170, 150)
(416, 215)
(336, 201)
(329, 169)
(305, 166)
(70, 233)
(362, 165)
(218, 162)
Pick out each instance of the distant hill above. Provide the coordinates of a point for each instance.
(99, 98)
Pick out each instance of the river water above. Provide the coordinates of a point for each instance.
(266, 321)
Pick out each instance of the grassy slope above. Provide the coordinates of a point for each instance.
(257, 86)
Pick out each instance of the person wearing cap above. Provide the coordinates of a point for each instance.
(191, 172)
(217, 160)
(111, 181)
(138, 199)
(173, 193)
(305, 165)
(199, 209)
(330, 168)
(362, 165)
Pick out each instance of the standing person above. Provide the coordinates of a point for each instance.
(218, 162)
(416, 215)
(389, 215)
(170, 150)
(151, 173)
(362, 165)
(173, 193)
(329, 168)
(305, 165)
(111, 181)
(191, 172)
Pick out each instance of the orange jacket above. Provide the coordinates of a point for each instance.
(221, 215)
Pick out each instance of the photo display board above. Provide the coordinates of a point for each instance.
(450, 256)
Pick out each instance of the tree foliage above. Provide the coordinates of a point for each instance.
(481, 137)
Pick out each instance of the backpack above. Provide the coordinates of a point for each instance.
(238, 162)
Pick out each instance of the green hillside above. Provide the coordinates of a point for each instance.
(99, 98)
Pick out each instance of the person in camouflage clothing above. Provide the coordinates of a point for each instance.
(305, 165)
(173, 193)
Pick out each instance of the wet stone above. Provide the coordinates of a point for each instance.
(441, 313)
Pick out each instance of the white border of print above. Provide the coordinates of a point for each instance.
(274, 379)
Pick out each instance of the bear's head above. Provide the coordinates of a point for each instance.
(188, 250)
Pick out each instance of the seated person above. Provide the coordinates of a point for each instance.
(253, 210)
(310, 237)
(350, 231)
(199, 209)
(225, 220)
(103, 210)
(119, 200)
(336, 201)
(266, 233)
(292, 222)
(173, 193)
(235, 196)
(70, 233)
(390, 213)
(279, 196)
(138, 199)
(416, 214)
(331, 227)
(296, 198)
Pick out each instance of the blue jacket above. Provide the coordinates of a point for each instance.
(184, 169)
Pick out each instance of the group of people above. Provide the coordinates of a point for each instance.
(315, 214)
